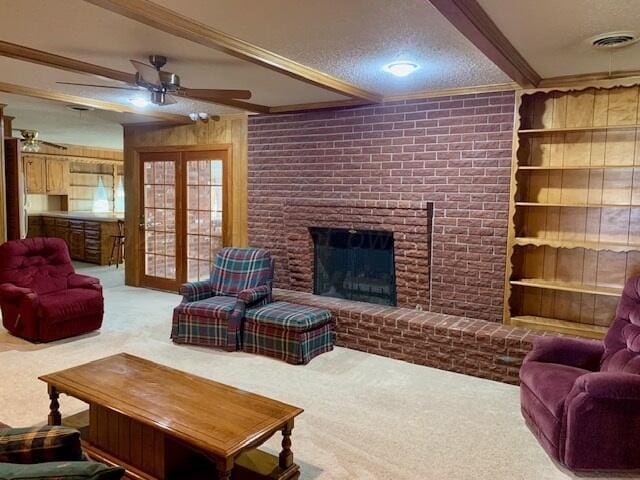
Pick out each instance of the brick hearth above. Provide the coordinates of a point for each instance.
(463, 345)
(410, 223)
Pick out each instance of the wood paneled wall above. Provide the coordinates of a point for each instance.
(230, 130)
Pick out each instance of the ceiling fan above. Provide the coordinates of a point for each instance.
(163, 85)
(30, 142)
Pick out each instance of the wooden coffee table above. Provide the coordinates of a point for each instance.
(161, 423)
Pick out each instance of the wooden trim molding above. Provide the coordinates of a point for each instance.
(497, 87)
(590, 78)
(161, 18)
(90, 102)
(468, 17)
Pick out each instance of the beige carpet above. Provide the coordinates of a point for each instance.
(366, 417)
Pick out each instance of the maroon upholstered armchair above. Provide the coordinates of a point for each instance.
(41, 296)
(581, 398)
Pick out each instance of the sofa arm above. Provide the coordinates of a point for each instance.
(611, 385)
(40, 444)
(76, 280)
(11, 292)
(573, 352)
(252, 295)
(194, 291)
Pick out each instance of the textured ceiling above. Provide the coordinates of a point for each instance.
(551, 34)
(354, 39)
(58, 124)
(76, 29)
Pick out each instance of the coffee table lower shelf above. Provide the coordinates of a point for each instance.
(166, 459)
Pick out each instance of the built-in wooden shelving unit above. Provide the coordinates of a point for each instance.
(574, 232)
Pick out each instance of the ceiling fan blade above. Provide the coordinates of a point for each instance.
(49, 144)
(147, 73)
(213, 93)
(99, 86)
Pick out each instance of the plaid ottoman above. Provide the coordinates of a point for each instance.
(289, 332)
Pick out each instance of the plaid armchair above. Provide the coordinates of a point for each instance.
(49, 452)
(212, 310)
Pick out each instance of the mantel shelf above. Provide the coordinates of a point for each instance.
(556, 325)
(575, 167)
(533, 131)
(599, 246)
(567, 287)
(575, 205)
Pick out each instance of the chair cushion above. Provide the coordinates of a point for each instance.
(289, 316)
(543, 390)
(237, 269)
(41, 264)
(39, 444)
(212, 307)
(69, 304)
(60, 471)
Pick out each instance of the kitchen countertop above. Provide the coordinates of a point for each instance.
(98, 217)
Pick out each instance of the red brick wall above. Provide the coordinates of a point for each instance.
(453, 151)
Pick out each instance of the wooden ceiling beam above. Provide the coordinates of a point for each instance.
(166, 20)
(468, 17)
(90, 102)
(20, 52)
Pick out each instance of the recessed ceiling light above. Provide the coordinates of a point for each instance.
(401, 69)
(139, 102)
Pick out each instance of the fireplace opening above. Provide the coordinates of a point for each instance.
(354, 265)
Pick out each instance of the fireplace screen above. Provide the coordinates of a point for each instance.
(354, 265)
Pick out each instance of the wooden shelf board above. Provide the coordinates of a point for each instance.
(610, 246)
(575, 205)
(567, 287)
(561, 326)
(575, 167)
(578, 129)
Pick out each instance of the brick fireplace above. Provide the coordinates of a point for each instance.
(452, 152)
(409, 222)
(413, 167)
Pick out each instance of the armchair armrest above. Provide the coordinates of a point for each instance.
(573, 352)
(611, 385)
(12, 292)
(40, 444)
(75, 280)
(255, 294)
(194, 291)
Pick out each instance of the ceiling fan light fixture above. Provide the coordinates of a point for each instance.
(30, 146)
(401, 68)
(139, 102)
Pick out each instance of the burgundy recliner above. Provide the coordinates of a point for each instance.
(41, 296)
(581, 398)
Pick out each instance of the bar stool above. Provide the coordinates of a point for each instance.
(118, 245)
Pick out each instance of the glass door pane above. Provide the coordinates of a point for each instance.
(159, 223)
(204, 209)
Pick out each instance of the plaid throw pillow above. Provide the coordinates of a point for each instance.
(39, 444)
(60, 471)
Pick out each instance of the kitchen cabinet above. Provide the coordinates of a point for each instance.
(34, 174)
(46, 176)
(57, 173)
(89, 239)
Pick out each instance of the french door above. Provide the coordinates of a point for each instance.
(183, 209)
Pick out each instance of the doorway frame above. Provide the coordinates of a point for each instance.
(138, 211)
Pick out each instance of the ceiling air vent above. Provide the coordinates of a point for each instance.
(79, 108)
(614, 40)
